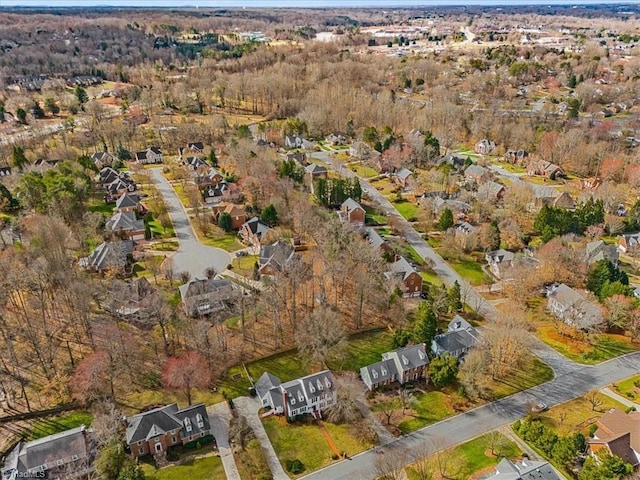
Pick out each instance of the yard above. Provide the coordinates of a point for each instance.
(531, 373)
(362, 170)
(603, 347)
(473, 458)
(305, 442)
(629, 388)
(471, 270)
(199, 469)
(374, 217)
(46, 427)
(383, 185)
(157, 230)
(407, 209)
(218, 238)
(244, 265)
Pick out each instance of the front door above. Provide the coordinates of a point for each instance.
(158, 447)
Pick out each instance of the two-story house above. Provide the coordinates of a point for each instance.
(618, 434)
(276, 258)
(459, 338)
(157, 430)
(124, 225)
(253, 230)
(524, 470)
(205, 296)
(307, 395)
(599, 250)
(402, 365)
(351, 212)
(484, 147)
(572, 308)
(402, 274)
(498, 261)
(149, 156)
(629, 243)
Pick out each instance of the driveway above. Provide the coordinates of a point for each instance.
(192, 256)
(219, 416)
(248, 407)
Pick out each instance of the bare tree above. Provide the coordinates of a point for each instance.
(320, 335)
(595, 400)
(350, 406)
(390, 463)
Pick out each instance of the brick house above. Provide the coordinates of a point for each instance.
(156, 431)
(409, 279)
(352, 212)
(253, 230)
(402, 365)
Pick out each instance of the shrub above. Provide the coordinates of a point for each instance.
(592, 430)
(194, 444)
(295, 466)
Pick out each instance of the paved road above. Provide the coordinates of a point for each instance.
(248, 407)
(192, 256)
(219, 416)
(468, 425)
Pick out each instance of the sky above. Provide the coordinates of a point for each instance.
(294, 3)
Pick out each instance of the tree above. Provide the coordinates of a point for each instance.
(604, 466)
(240, 433)
(319, 335)
(18, 158)
(51, 106)
(131, 471)
(430, 147)
(390, 465)
(594, 399)
(601, 277)
(110, 460)
(81, 95)
(269, 215)
(225, 221)
(93, 378)
(186, 373)
(426, 324)
(443, 370)
(37, 111)
(446, 220)
(489, 238)
(455, 297)
(350, 406)
(21, 114)
(213, 159)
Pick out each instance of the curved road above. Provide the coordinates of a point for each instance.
(192, 256)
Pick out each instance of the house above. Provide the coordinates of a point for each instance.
(376, 241)
(103, 159)
(476, 173)
(484, 147)
(125, 225)
(459, 338)
(516, 156)
(133, 300)
(598, 250)
(352, 212)
(455, 160)
(65, 456)
(543, 168)
(205, 296)
(439, 205)
(402, 365)
(207, 178)
(253, 230)
(315, 171)
(128, 203)
(109, 255)
(195, 163)
(491, 191)
(525, 470)
(193, 147)
(361, 150)
(156, 431)
(276, 258)
(299, 157)
(43, 164)
(307, 395)
(293, 141)
(150, 155)
(591, 183)
(336, 139)
(629, 243)
(119, 186)
(564, 200)
(409, 279)
(236, 212)
(108, 175)
(572, 308)
(498, 261)
(402, 176)
(618, 434)
(214, 194)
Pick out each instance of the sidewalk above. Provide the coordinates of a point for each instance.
(248, 407)
(625, 401)
(219, 416)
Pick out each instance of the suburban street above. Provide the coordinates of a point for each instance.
(192, 256)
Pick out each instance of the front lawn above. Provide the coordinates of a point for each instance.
(198, 469)
(304, 441)
(474, 457)
(45, 427)
(470, 270)
(431, 277)
(244, 265)
(374, 217)
(218, 238)
(157, 230)
(531, 373)
(364, 171)
(407, 209)
(429, 407)
(627, 388)
(604, 346)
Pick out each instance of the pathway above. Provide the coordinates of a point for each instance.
(192, 256)
(219, 416)
(623, 400)
(248, 407)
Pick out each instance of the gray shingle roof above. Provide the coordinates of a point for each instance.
(408, 357)
(158, 421)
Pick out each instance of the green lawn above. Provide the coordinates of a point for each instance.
(305, 442)
(209, 468)
(374, 217)
(627, 388)
(430, 407)
(510, 167)
(45, 427)
(407, 209)
(470, 270)
(363, 349)
(473, 457)
(364, 171)
(220, 239)
(97, 204)
(167, 246)
(431, 278)
(244, 265)
(157, 229)
(531, 373)
(604, 347)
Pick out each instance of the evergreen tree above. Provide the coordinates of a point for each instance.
(21, 114)
(51, 105)
(131, 471)
(18, 158)
(225, 221)
(269, 215)
(37, 111)
(443, 370)
(446, 220)
(81, 95)
(426, 324)
(213, 159)
(455, 297)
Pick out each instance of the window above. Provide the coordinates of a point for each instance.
(293, 400)
(300, 396)
(383, 370)
(327, 383)
(200, 421)
(174, 439)
(139, 442)
(187, 424)
(141, 451)
(311, 388)
(319, 385)
(59, 462)
(375, 373)
(405, 360)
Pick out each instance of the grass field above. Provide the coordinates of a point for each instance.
(305, 442)
(431, 278)
(364, 349)
(473, 457)
(157, 229)
(604, 347)
(627, 388)
(200, 469)
(429, 408)
(220, 239)
(244, 265)
(407, 209)
(531, 373)
(374, 217)
(363, 170)
(470, 270)
(46, 427)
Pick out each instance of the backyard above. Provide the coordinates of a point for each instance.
(244, 265)
(45, 427)
(199, 469)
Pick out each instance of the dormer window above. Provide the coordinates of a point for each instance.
(311, 388)
(319, 385)
(421, 355)
(187, 424)
(200, 421)
(293, 400)
(375, 373)
(300, 396)
(405, 360)
(327, 383)
(383, 370)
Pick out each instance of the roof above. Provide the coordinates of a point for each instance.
(125, 221)
(379, 372)
(103, 157)
(585, 314)
(525, 470)
(278, 255)
(374, 238)
(465, 227)
(159, 421)
(457, 340)
(475, 171)
(316, 169)
(350, 204)
(500, 256)
(202, 286)
(108, 255)
(256, 226)
(68, 446)
(401, 267)
(458, 323)
(126, 201)
(408, 357)
(490, 190)
(265, 383)
(621, 432)
(403, 173)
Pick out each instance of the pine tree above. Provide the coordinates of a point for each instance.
(426, 325)
(455, 297)
(446, 220)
